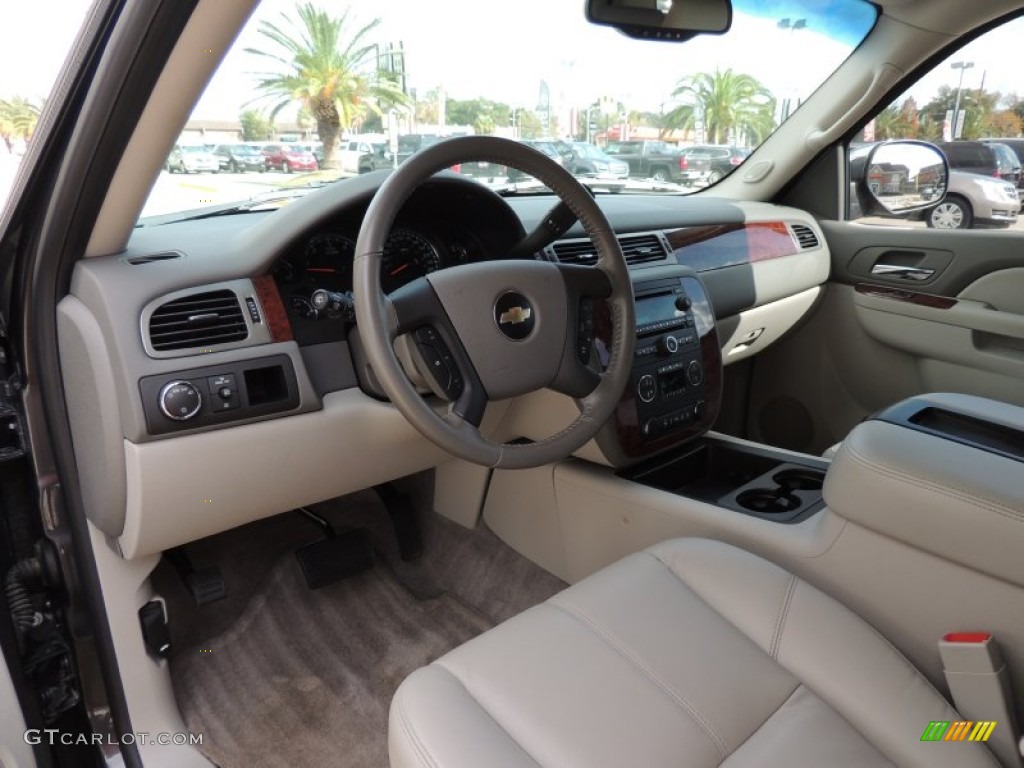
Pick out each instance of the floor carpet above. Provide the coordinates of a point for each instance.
(281, 675)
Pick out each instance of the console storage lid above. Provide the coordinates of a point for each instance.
(943, 473)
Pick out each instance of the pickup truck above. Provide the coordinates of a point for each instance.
(648, 159)
(362, 155)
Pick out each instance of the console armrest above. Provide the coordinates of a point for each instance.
(943, 473)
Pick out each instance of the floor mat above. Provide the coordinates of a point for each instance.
(305, 678)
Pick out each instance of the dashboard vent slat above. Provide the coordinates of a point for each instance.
(199, 320)
(638, 249)
(805, 236)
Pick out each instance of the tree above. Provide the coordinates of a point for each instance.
(256, 126)
(484, 124)
(530, 124)
(332, 72)
(18, 118)
(732, 104)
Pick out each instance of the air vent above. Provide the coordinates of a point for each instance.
(575, 251)
(153, 257)
(805, 236)
(638, 249)
(199, 320)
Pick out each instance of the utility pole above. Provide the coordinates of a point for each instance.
(962, 66)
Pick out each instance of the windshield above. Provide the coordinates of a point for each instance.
(405, 78)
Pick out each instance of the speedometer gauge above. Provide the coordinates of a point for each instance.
(407, 255)
(328, 261)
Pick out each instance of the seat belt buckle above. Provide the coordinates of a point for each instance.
(979, 683)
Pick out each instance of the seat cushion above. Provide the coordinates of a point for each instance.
(693, 653)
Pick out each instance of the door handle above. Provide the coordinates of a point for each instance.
(901, 272)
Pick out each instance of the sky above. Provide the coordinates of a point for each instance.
(503, 50)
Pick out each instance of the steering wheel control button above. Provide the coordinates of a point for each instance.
(515, 316)
(647, 388)
(695, 373)
(439, 362)
(223, 392)
(180, 400)
(585, 331)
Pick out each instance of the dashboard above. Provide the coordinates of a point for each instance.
(205, 390)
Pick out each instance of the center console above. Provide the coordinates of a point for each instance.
(674, 391)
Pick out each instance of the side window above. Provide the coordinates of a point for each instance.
(971, 106)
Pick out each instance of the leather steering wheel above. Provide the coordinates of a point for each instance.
(497, 329)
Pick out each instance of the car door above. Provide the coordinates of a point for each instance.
(908, 309)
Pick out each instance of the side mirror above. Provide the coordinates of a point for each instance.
(896, 178)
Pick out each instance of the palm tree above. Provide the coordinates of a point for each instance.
(730, 102)
(332, 74)
(18, 118)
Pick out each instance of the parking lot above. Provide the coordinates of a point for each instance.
(178, 192)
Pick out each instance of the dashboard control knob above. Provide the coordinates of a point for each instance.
(225, 393)
(320, 299)
(683, 302)
(668, 345)
(180, 400)
(647, 388)
(695, 373)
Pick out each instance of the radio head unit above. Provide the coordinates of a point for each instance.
(675, 388)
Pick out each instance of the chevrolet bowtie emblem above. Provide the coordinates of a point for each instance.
(515, 315)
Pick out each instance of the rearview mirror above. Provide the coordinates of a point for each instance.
(898, 177)
(672, 20)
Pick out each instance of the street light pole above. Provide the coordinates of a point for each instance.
(962, 66)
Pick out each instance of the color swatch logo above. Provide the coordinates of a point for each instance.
(961, 730)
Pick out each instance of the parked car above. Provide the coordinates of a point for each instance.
(1016, 146)
(971, 157)
(1007, 162)
(973, 200)
(547, 147)
(360, 155)
(411, 143)
(239, 157)
(711, 163)
(288, 158)
(589, 161)
(191, 158)
(656, 160)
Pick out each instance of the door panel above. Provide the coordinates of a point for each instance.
(878, 338)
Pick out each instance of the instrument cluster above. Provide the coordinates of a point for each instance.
(324, 262)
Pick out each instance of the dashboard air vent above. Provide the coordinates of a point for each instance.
(199, 320)
(805, 236)
(575, 251)
(638, 249)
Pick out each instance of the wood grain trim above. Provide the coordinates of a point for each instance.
(908, 297)
(727, 245)
(274, 313)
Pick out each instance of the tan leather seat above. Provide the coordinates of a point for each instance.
(693, 653)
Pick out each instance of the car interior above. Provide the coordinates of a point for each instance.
(408, 472)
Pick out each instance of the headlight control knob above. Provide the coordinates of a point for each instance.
(180, 400)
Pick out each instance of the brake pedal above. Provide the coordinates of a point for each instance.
(335, 558)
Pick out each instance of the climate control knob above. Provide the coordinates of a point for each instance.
(695, 373)
(647, 388)
(180, 400)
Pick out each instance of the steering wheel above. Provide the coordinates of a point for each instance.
(496, 329)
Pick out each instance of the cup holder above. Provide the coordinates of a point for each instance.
(768, 501)
(800, 479)
(784, 494)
